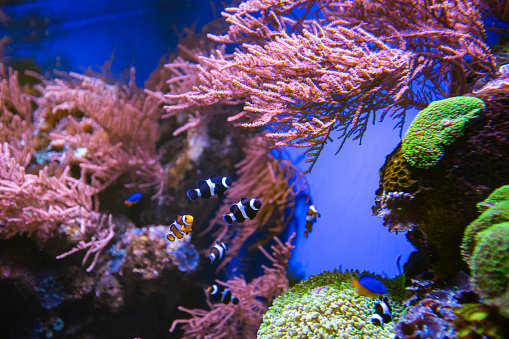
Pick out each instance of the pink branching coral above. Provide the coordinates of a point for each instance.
(334, 66)
(276, 182)
(117, 131)
(44, 198)
(244, 319)
(33, 204)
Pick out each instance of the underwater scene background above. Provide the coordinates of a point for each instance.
(254, 169)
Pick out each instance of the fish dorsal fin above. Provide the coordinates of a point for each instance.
(216, 178)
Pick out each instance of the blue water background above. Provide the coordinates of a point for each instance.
(343, 189)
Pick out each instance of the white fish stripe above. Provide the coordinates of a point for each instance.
(377, 317)
(198, 192)
(223, 181)
(385, 308)
(212, 186)
(251, 204)
(242, 210)
(233, 217)
(220, 249)
(184, 220)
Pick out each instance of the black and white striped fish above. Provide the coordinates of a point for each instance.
(218, 251)
(207, 188)
(245, 208)
(382, 313)
(222, 294)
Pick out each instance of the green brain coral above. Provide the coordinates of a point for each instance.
(325, 306)
(485, 248)
(437, 126)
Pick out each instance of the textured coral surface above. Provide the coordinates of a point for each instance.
(326, 306)
(437, 126)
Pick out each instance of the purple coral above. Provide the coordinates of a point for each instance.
(430, 318)
(433, 316)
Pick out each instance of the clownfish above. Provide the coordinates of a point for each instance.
(382, 313)
(183, 224)
(218, 251)
(369, 287)
(222, 294)
(133, 199)
(311, 219)
(245, 208)
(215, 185)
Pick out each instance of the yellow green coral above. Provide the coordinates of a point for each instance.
(324, 306)
(437, 126)
(486, 250)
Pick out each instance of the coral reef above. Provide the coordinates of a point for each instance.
(445, 195)
(475, 320)
(432, 317)
(309, 67)
(485, 248)
(242, 320)
(326, 306)
(432, 307)
(73, 149)
(74, 146)
(437, 126)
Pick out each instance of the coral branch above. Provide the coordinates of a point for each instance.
(334, 68)
(242, 320)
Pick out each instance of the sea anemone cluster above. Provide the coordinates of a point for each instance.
(326, 306)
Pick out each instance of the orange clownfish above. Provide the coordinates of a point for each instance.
(311, 219)
(183, 224)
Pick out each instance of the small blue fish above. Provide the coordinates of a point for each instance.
(133, 199)
(369, 287)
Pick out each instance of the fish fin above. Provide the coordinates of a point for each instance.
(192, 194)
(229, 218)
(216, 178)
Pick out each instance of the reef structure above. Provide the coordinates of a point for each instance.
(435, 204)
(437, 126)
(485, 248)
(326, 306)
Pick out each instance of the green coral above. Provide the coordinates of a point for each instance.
(326, 306)
(437, 126)
(486, 249)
